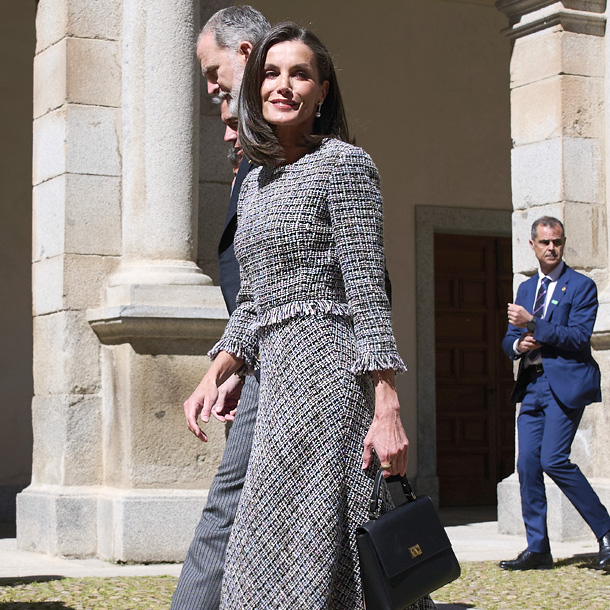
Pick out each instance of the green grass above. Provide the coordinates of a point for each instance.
(572, 585)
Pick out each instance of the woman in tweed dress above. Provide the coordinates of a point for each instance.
(313, 311)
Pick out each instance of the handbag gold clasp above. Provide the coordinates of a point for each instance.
(415, 551)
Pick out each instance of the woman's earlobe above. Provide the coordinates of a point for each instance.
(325, 88)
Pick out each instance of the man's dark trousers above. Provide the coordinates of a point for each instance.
(546, 430)
(553, 402)
(200, 581)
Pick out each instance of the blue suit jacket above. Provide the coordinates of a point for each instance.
(565, 335)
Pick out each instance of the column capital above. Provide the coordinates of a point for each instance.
(530, 16)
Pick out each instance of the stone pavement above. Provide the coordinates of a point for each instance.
(474, 541)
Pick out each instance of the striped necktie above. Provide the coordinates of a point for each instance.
(541, 298)
(538, 311)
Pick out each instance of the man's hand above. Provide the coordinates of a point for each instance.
(518, 316)
(203, 400)
(527, 343)
(228, 398)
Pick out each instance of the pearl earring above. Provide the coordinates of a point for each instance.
(319, 113)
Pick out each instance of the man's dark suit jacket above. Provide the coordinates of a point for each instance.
(229, 267)
(565, 335)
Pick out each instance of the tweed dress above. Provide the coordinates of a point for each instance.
(313, 314)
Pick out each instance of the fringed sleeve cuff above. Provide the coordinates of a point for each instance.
(237, 349)
(365, 363)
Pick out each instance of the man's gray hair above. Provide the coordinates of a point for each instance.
(234, 24)
(547, 221)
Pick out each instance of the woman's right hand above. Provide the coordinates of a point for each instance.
(205, 395)
(201, 402)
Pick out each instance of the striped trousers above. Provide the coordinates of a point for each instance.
(201, 577)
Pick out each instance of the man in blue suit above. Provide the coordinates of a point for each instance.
(549, 332)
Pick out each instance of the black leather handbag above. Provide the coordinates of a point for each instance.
(404, 553)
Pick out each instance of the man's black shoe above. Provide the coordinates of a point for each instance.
(603, 559)
(528, 560)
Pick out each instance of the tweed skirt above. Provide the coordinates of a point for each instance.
(293, 543)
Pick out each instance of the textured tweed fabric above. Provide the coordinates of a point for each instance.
(313, 311)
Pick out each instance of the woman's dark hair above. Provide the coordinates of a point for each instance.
(256, 135)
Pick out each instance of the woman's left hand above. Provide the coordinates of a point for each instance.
(386, 435)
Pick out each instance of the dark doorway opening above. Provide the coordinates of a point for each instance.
(474, 418)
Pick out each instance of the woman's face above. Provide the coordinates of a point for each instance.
(291, 91)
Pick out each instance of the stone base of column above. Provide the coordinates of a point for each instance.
(564, 523)
(57, 520)
(118, 525)
(147, 525)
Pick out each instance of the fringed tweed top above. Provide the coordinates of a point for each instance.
(310, 243)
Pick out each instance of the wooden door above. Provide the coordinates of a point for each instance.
(474, 417)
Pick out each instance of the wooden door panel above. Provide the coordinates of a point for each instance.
(455, 255)
(445, 362)
(464, 435)
(475, 420)
(472, 465)
(475, 432)
(473, 293)
(474, 363)
(460, 398)
(444, 294)
(454, 326)
(506, 291)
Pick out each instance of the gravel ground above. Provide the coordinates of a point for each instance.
(572, 585)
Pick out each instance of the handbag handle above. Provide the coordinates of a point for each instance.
(399, 488)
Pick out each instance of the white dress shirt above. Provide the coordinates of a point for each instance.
(553, 276)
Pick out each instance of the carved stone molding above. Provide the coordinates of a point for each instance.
(161, 319)
(529, 16)
(518, 8)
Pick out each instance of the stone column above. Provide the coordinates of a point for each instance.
(123, 314)
(158, 282)
(160, 312)
(559, 138)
